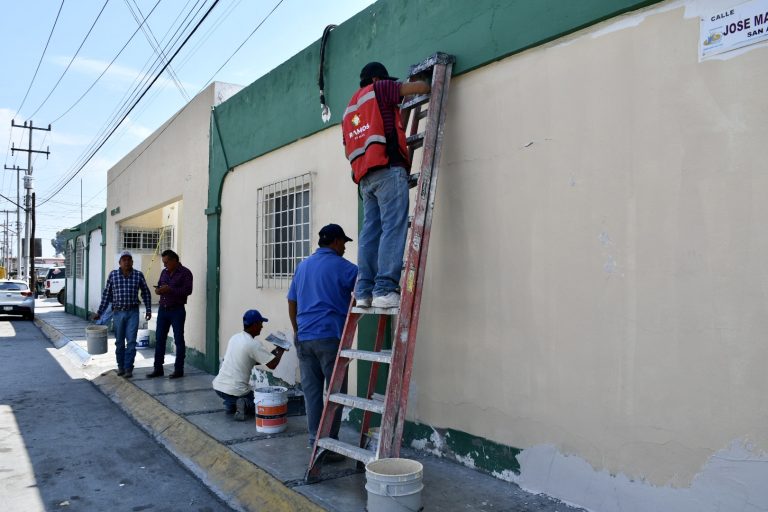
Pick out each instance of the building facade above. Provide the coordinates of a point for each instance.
(593, 324)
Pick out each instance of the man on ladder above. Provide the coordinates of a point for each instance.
(375, 145)
(378, 150)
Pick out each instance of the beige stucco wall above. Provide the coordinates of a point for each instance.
(597, 277)
(333, 200)
(171, 165)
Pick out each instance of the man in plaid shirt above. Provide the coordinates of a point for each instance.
(122, 291)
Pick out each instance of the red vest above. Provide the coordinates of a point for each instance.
(365, 142)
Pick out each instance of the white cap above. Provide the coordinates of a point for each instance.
(126, 253)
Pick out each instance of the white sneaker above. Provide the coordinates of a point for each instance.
(363, 303)
(390, 300)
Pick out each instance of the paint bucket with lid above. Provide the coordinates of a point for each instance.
(394, 485)
(271, 409)
(96, 336)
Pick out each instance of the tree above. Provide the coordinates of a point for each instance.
(58, 243)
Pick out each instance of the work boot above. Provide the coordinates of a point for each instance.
(176, 375)
(120, 372)
(240, 409)
(157, 372)
(128, 373)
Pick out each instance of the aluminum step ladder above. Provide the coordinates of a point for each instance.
(393, 404)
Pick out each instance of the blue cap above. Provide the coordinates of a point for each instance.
(251, 317)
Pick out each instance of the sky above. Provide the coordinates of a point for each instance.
(74, 59)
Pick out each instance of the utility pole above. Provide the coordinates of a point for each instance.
(18, 217)
(28, 186)
(32, 274)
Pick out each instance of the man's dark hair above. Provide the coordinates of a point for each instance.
(170, 254)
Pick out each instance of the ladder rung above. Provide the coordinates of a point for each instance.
(357, 402)
(376, 311)
(385, 356)
(416, 140)
(415, 101)
(346, 449)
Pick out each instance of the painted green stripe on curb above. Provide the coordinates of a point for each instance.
(240, 483)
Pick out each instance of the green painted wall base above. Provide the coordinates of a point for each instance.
(196, 359)
(473, 451)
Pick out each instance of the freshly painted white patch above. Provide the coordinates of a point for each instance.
(506, 475)
(434, 445)
(345, 413)
(733, 479)
(467, 460)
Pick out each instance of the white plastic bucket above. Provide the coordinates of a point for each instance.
(142, 338)
(271, 409)
(394, 485)
(96, 336)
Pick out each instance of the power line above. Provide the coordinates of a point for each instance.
(245, 41)
(130, 95)
(71, 61)
(155, 44)
(135, 103)
(108, 66)
(29, 88)
(41, 57)
(170, 122)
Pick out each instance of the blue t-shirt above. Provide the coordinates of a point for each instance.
(322, 288)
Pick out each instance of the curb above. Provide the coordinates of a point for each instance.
(240, 483)
(71, 349)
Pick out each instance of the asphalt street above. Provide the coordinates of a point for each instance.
(65, 446)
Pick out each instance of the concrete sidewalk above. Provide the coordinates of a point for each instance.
(255, 471)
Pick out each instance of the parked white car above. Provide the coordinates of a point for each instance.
(16, 299)
(54, 281)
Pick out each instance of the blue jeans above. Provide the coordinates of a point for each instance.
(230, 402)
(316, 361)
(126, 327)
(382, 237)
(167, 318)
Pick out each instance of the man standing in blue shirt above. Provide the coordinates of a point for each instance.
(122, 291)
(318, 301)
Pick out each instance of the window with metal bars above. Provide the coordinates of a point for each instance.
(283, 230)
(147, 239)
(79, 258)
(68, 258)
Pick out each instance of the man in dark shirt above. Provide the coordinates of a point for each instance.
(174, 286)
(122, 291)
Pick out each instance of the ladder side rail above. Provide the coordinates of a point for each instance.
(408, 281)
(378, 345)
(436, 151)
(334, 386)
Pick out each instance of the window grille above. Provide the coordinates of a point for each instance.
(79, 258)
(68, 258)
(283, 230)
(147, 239)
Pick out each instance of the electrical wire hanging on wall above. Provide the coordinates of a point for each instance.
(325, 111)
